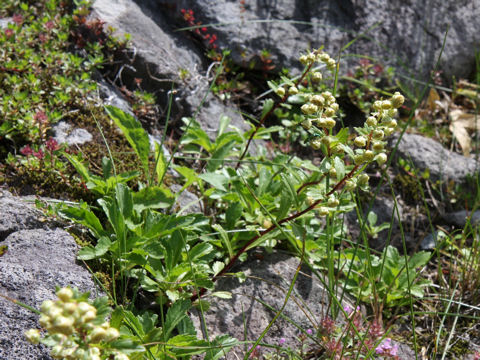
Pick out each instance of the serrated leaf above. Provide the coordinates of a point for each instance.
(174, 315)
(267, 106)
(136, 136)
(218, 181)
(222, 294)
(89, 253)
(152, 197)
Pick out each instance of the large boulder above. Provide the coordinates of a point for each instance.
(36, 256)
(407, 34)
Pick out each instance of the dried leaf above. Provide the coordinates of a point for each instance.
(433, 97)
(461, 122)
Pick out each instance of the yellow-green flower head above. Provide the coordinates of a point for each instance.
(318, 100)
(33, 336)
(371, 121)
(381, 159)
(292, 90)
(397, 100)
(317, 76)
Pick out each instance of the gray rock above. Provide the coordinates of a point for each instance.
(459, 218)
(63, 133)
(268, 280)
(159, 57)
(35, 262)
(427, 153)
(18, 215)
(406, 34)
(429, 242)
(189, 202)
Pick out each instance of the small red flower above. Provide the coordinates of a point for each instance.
(49, 25)
(40, 117)
(39, 154)
(52, 145)
(26, 150)
(204, 29)
(17, 19)
(8, 32)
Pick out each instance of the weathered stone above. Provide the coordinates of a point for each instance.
(63, 133)
(189, 202)
(406, 34)
(18, 215)
(268, 279)
(428, 154)
(459, 218)
(36, 261)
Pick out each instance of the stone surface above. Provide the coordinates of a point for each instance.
(16, 214)
(268, 279)
(38, 258)
(159, 56)
(427, 153)
(187, 201)
(459, 218)
(64, 133)
(407, 34)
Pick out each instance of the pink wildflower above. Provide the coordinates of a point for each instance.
(52, 145)
(39, 154)
(17, 19)
(26, 150)
(8, 32)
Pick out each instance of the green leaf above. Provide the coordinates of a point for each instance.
(81, 169)
(83, 217)
(89, 253)
(225, 239)
(160, 163)
(216, 180)
(219, 155)
(285, 204)
(224, 122)
(199, 250)
(174, 315)
(372, 218)
(222, 294)
(220, 346)
(134, 133)
(125, 200)
(173, 248)
(152, 197)
(233, 213)
(339, 167)
(267, 106)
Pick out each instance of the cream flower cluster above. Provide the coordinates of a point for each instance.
(70, 324)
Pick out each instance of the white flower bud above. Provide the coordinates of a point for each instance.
(393, 124)
(307, 124)
(46, 306)
(303, 59)
(332, 172)
(378, 135)
(65, 294)
(44, 321)
(377, 105)
(309, 109)
(63, 325)
(317, 76)
(327, 140)
(363, 179)
(329, 112)
(89, 316)
(358, 159)
(381, 159)
(334, 106)
(392, 112)
(69, 308)
(292, 90)
(389, 131)
(33, 336)
(324, 57)
(333, 201)
(111, 334)
(397, 100)
(317, 100)
(316, 143)
(371, 121)
(360, 141)
(386, 105)
(311, 58)
(329, 123)
(378, 146)
(97, 335)
(368, 155)
(280, 91)
(84, 307)
(331, 64)
(350, 185)
(323, 211)
(121, 356)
